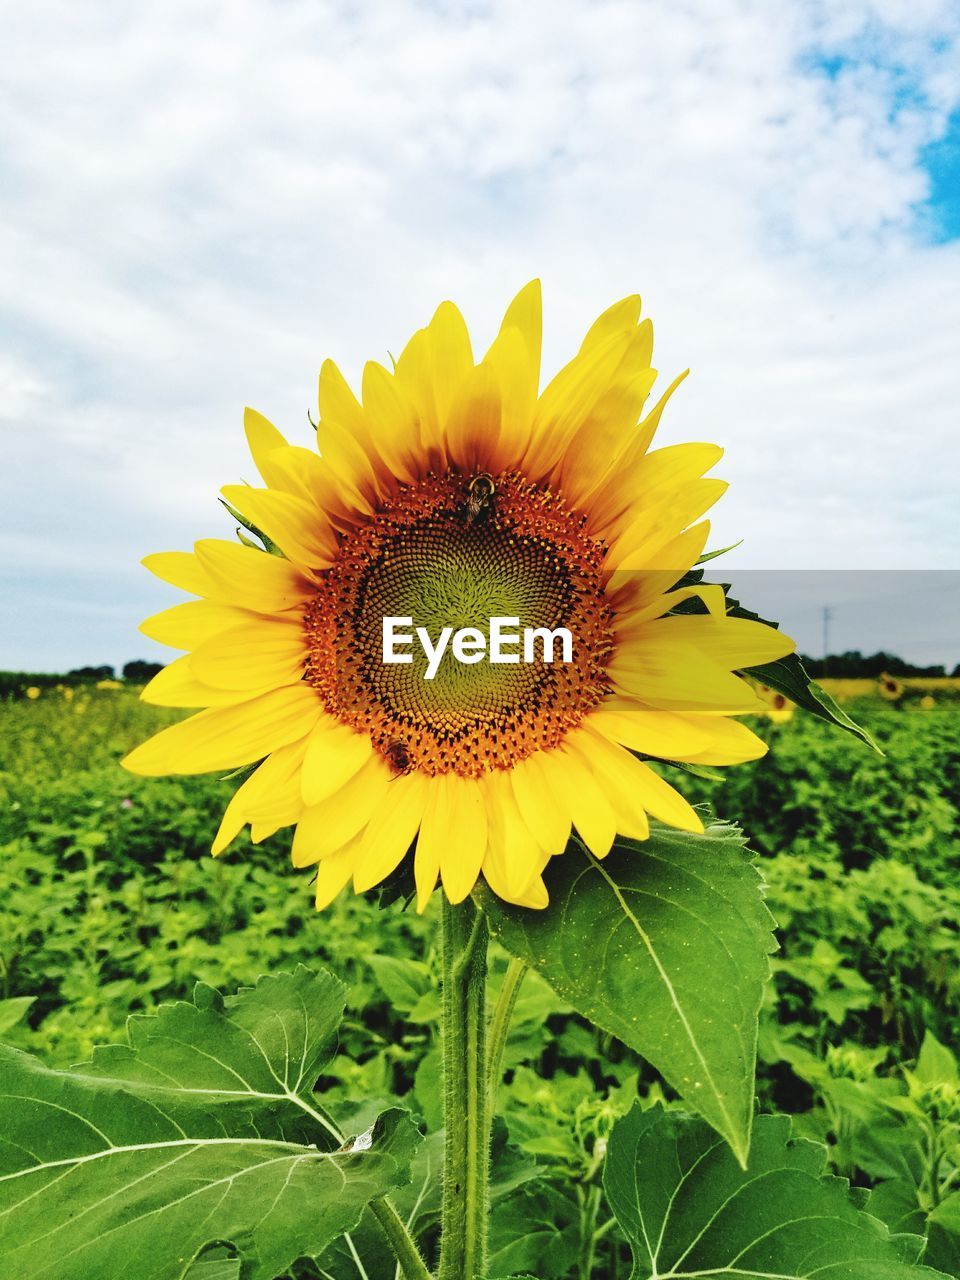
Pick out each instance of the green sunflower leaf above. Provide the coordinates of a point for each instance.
(203, 1128)
(787, 675)
(666, 945)
(214, 1266)
(943, 1235)
(690, 1211)
(13, 1011)
(264, 544)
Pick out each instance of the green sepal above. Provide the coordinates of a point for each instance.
(269, 546)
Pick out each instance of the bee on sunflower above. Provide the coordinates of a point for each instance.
(454, 492)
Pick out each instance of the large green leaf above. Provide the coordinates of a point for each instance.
(689, 1211)
(536, 1228)
(203, 1128)
(215, 1264)
(664, 943)
(264, 1047)
(943, 1230)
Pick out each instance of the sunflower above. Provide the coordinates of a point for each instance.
(777, 707)
(889, 687)
(452, 492)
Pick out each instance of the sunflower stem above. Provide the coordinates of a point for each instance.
(463, 1241)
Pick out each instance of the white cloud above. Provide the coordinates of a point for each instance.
(200, 202)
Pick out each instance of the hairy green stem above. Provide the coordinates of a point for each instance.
(404, 1249)
(463, 1240)
(589, 1199)
(500, 1027)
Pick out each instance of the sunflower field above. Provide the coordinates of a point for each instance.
(110, 906)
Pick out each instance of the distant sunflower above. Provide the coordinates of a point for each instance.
(776, 706)
(889, 687)
(452, 492)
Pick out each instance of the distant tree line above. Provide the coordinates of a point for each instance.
(136, 672)
(854, 665)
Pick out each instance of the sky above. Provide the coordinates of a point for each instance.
(201, 201)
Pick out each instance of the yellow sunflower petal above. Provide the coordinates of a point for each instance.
(602, 437)
(631, 612)
(514, 855)
(414, 386)
(733, 643)
(574, 785)
(261, 654)
(178, 685)
(349, 465)
(226, 737)
(398, 422)
(451, 356)
(730, 742)
(534, 895)
(462, 815)
(650, 423)
(624, 314)
(274, 795)
(612, 767)
(677, 677)
(333, 874)
(270, 797)
(539, 807)
(390, 832)
(184, 626)
(334, 754)
(525, 314)
(473, 423)
(326, 827)
(181, 569)
(338, 404)
(567, 402)
(665, 803)
(263, 439)
(513, 366)
(666, 734)
(643, 595)
(452, 839)
(243, 576)
(303, 474)
(299, 528)
(643, 481)
(231, 824)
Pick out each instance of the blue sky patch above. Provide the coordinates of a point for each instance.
(942, 161)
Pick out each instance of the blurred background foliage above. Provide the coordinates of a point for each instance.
(110, 904)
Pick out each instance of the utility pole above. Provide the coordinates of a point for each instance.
(827, 614)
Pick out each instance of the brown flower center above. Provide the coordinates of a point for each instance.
(456, 551)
